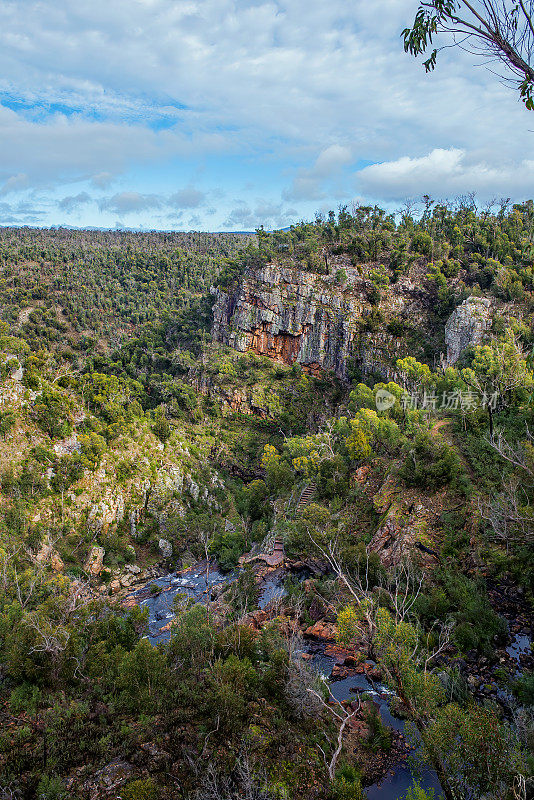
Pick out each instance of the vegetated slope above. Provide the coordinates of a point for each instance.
(161, 443)
(79, 289)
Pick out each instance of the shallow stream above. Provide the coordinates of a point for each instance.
(194, 583)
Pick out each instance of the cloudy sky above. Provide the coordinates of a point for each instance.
(227, 114)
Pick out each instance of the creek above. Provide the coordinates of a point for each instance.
(158, 598)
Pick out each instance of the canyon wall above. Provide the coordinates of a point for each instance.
(319, 321)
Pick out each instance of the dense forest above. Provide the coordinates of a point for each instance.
(374, 516)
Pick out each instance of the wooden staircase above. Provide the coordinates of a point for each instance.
(305, 497)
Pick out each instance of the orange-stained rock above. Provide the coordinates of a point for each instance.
(294, 315)
(321, 630)
(361, 474)
(47, 554)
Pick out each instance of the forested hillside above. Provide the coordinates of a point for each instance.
(80, 290)
(242, 476)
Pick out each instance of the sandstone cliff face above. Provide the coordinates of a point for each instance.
(466, 326)
(291, 316)
(296, 316)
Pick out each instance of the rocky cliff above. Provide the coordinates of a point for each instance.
(466, 326)
(321, 321)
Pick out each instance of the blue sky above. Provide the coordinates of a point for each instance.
(224, 115)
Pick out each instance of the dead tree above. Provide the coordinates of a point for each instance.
(510, 514)
(342, 716)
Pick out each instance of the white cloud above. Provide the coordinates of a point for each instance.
(446, 173)
(15, 183)
(313, 73)
(270, 215)
(158, 85)
(74, 202)
(129, 202)
(187, 198)
(21, 213)
(310, 184)
(72, 148)
(102, 180)
(331, 160)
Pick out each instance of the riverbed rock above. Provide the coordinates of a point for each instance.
(325, 631)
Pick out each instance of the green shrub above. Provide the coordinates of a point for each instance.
(421, 244)
(429, 463)
(7, 422)
(51, 788)
(379, 737)
(93, 447)
(347, 784)
(416, 792)
(523, 689)
(466, 602)
(141, 789)
(161, 427)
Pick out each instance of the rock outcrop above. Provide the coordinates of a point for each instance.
(48, 555)
(95, 560)
(105, 513)
(403, 531)
(301, 317)
(466, 326)
(291, 316)
(165, 548)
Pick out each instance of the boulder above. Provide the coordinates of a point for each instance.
(106, 782)
(56, 562)
(321, 630)
(115, 586)
(48, 554)
(95, 560)
(165, 548)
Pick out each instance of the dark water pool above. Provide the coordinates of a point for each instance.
(396, 783)
(519, 646)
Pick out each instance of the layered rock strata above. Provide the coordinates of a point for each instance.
(300, 317)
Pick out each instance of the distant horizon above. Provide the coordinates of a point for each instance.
(415, 204)
(127, 230)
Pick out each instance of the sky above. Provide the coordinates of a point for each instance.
(227, 115)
